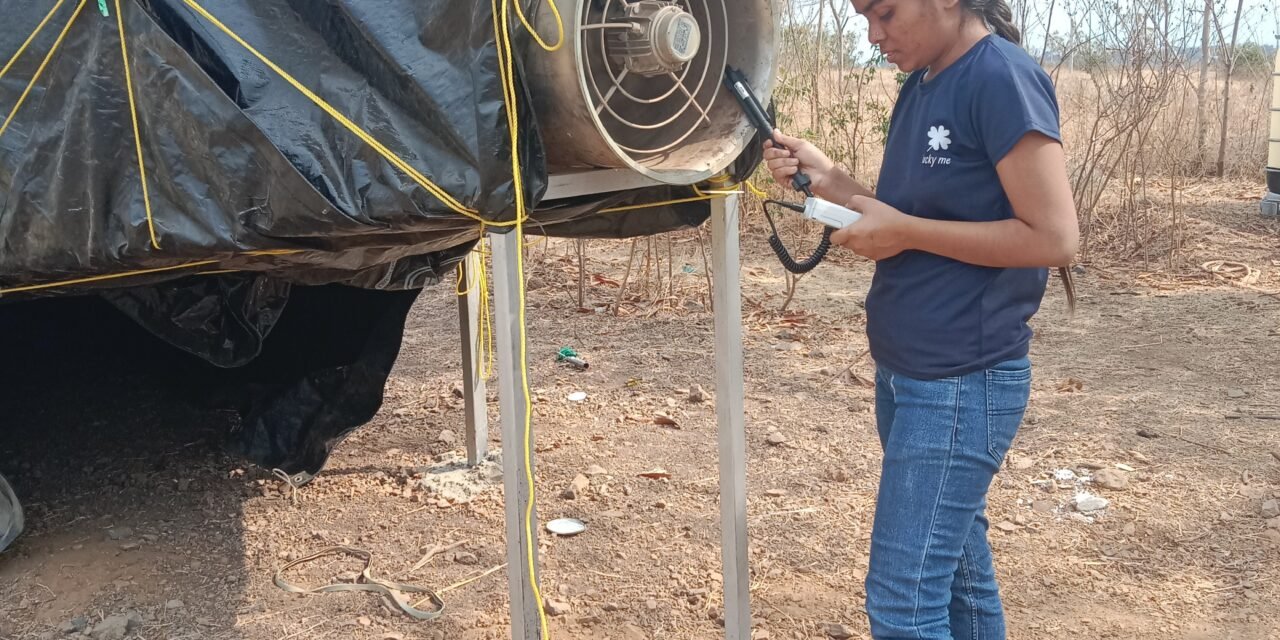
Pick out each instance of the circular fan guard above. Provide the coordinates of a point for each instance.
(638, 85)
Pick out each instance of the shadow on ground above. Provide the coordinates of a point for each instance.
(129, 497)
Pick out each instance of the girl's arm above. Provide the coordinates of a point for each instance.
(1044, 231)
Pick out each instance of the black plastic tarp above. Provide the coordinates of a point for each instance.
(238, 160)
(291, 213)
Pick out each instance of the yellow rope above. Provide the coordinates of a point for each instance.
(40, 27)
(112, 276)
(355, 129)
(137, 137)
(633, 207)
(477, 284)
(44, 63)
(506, 63)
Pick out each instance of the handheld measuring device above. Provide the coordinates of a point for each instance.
(830, 214)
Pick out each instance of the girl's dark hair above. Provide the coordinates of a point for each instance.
(998, 16)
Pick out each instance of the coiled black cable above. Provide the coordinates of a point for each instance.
(784, 256)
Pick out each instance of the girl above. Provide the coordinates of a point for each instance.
(972, 205)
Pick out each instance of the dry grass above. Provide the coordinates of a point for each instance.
(1132, 143)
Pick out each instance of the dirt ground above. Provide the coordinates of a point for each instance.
(1163, 387)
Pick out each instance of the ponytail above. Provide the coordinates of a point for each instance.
(997, 15)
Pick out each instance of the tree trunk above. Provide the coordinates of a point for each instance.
(1226, 91)
(1202, 91)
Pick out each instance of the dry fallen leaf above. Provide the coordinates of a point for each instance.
(1070, 385)
(665, 421)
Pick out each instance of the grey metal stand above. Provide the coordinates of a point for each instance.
(474, 392)
(727, 296)
(525, 621)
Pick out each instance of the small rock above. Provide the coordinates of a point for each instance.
(1273, 523)
(1087, 502)
(447, 437)
(1111, 479)
(490, 472)
(632, 632)
(776, 438)
(466, 557)
(1007, 527)
(838, 631)
(698, 394)
(112, 628)
(595, 470)
(1044, 506)
(1275, 453)
(130, 546)
(761, 634)
(579, 485)
(1020, 520)
(557, 608)
(1064, 475)
(1080, 517)
(651, 604)
(1271, 509)
(776, 493)
(1236, 393)
(364, 621)
(1147, 433)
(1022, 464)
(1091, 465)
(1272, 536)
(393, 635)
(837, 475)
(1129, 529)
(174, 604)
(75, 625)
(120, 534)
(1138, 455)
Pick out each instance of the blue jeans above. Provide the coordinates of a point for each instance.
(931, 574)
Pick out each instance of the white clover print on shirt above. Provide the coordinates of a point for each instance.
(939, 138)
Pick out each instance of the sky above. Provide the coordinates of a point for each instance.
(1261, 24)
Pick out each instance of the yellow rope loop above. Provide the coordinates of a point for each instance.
(756, 191)
(534, 32)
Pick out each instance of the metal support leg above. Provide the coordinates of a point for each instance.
(473, 386)
(525, 622)
(727, 295)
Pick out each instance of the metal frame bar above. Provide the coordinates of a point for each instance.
(727, 298)
(474, 391)
(730, 416)
(572, 185)
(525, 621)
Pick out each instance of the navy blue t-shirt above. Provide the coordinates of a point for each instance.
(929, 316)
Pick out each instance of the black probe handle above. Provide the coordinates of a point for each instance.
(755, 112)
